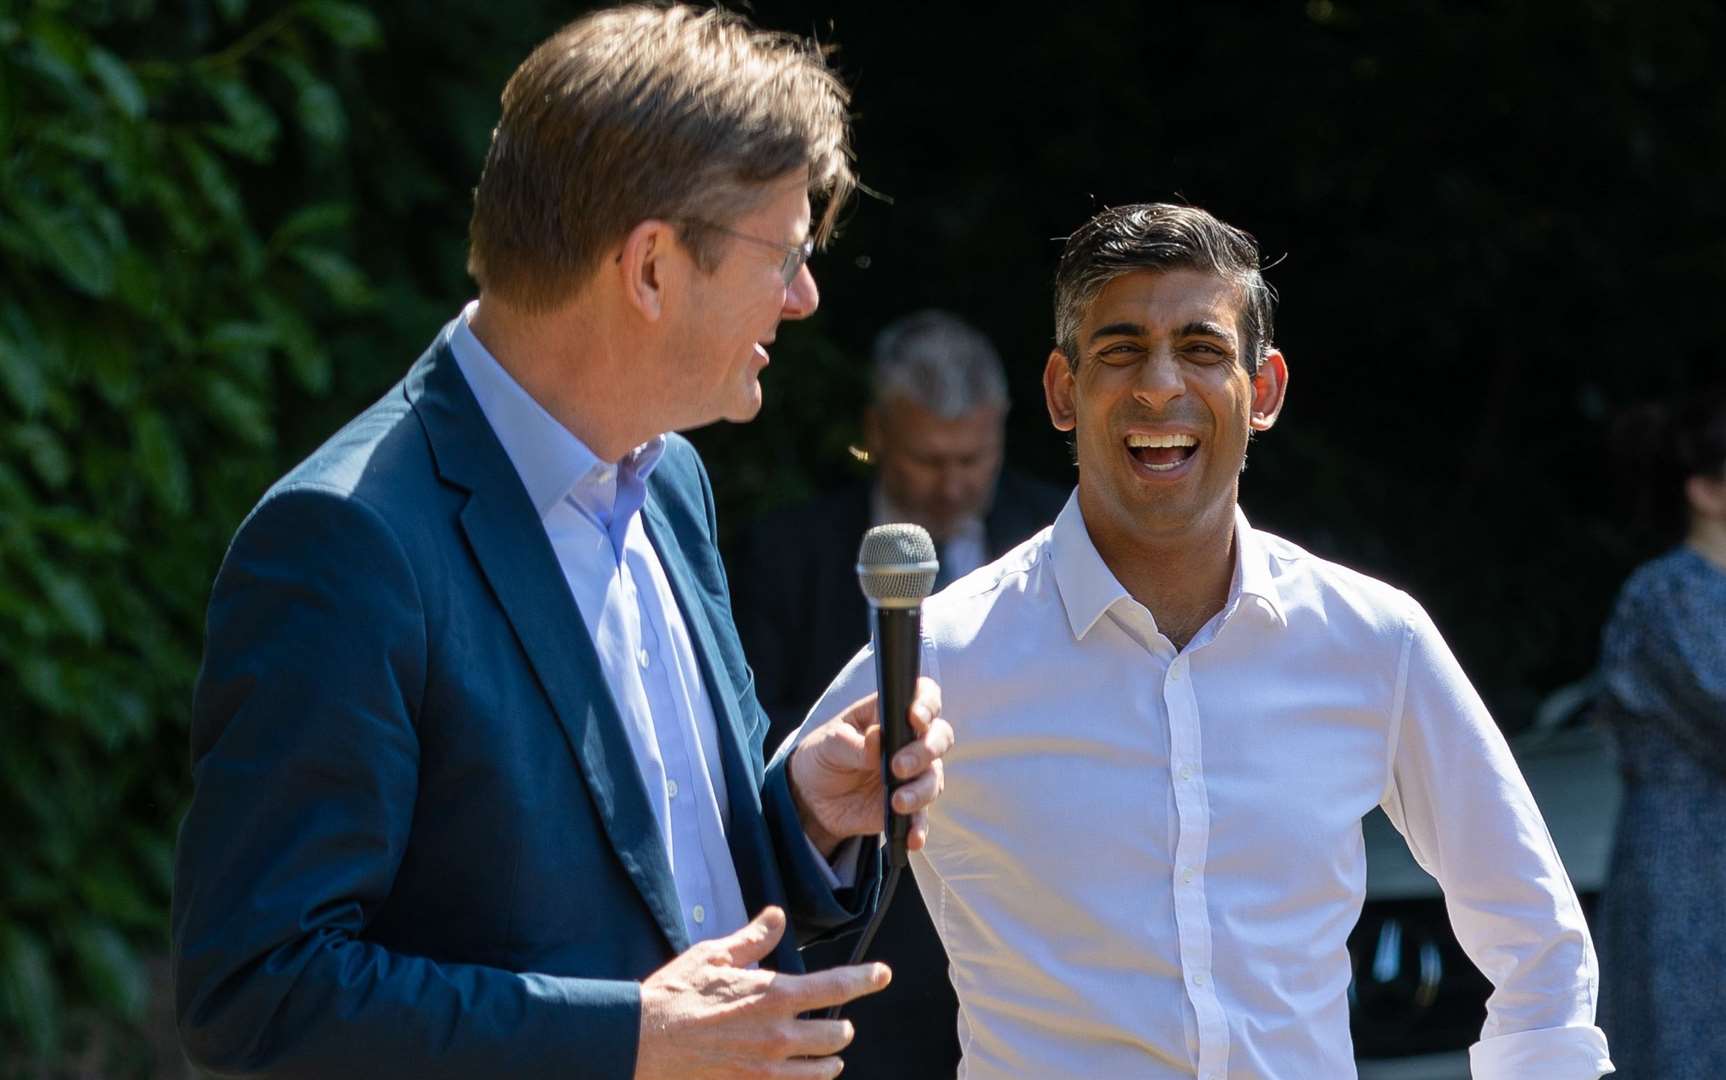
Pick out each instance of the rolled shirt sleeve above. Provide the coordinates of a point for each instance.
(1457, 796)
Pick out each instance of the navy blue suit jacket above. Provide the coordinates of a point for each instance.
(419, 845)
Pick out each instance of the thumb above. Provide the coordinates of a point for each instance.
(753, 943)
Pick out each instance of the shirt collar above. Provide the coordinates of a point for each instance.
(1253, 575)
(552, 462)
(1089, 588)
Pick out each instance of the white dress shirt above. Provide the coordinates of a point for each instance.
(589, 508)
(1147, 861)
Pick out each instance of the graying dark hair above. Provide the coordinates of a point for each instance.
(1160, 237)
(939, 361)
(647, 112)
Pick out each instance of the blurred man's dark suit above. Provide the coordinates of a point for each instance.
(802, 617)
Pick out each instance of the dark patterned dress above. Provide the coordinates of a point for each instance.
(1662, 924)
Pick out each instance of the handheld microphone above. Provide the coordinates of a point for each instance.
(896, 567)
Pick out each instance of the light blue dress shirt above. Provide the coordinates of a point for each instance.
(589, 508)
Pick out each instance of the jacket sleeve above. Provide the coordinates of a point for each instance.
(305, 762)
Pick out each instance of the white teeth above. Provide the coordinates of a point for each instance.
(1161, 440)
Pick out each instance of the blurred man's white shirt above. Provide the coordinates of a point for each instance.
(1147, 862)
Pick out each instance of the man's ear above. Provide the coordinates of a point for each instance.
(1058, 391)
(648, 264)
(1269, 386)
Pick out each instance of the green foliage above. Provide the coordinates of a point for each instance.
(152, 334)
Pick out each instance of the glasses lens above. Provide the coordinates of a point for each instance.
(794, 261)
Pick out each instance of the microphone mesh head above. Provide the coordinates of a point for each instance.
(896, 566)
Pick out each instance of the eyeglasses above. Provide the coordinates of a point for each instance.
(795, 254)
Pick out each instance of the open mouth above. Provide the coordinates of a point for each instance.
(1162, 453)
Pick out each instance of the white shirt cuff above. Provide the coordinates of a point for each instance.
(840, 872)
(1565, 1053)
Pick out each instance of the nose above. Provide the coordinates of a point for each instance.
(802, 296)
(1160, 380)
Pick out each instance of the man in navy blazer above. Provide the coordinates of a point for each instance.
(479, 784)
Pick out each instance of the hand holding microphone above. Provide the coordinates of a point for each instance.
(842, 770)
(896, 568)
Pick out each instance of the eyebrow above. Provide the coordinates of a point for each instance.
(1118, 329)
(1199, 328)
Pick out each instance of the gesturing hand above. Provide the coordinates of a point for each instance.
(835, 772)
(707, 1016)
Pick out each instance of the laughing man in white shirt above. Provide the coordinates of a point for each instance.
(1148, 857)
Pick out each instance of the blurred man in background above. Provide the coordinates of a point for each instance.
(934, 430)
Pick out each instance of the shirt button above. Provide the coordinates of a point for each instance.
(699, 914)
(1198, 976)
(1187, 875)
(641, 658)
(1174, 674)
(671, 788)
(1186, 772)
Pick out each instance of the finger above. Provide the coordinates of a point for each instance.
(835, 986)
(817, 1038)
(860, 714)
(933, 745)
(805, 1069)
(920, 792)
(925, 703)
(919, 834)
(754, 942)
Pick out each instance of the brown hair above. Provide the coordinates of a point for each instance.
(1157, 237)
(648, 112)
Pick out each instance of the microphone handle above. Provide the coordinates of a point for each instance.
(898, 654)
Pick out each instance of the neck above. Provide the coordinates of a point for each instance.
(570, 362)
(1182, 579)
(1708, 538)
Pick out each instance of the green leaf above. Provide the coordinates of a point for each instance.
(161, 462)
(239, 411)
(211, 179)
(21, 377)
(27, 988)
(347, 24)
(73, 601)
(76, 251)
(341, 279)
(117, 79)
(109, 966)
(237, 335)
(309, 221)
(46, 453)
(307, 359)
(138, 283)
(231, 9)
(252, 128)
(316, 103)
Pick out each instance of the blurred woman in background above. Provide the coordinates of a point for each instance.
(1662, 923)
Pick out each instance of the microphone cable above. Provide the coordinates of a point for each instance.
(888, 884)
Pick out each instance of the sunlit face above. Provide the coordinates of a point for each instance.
(733, 313)
(937, 471)
(1161, 406)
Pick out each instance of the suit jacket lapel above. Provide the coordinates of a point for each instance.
(518, 562)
